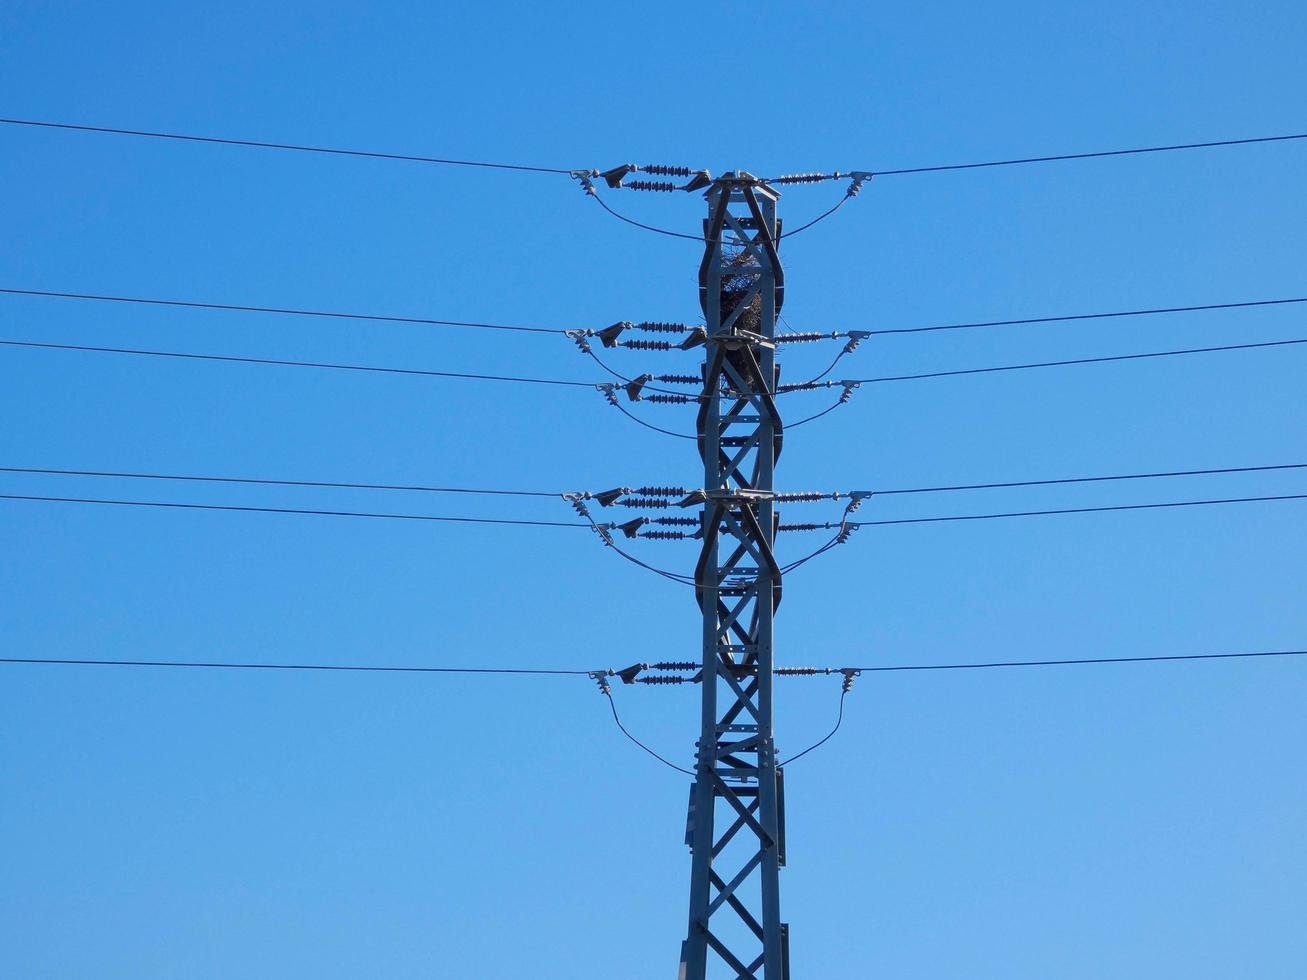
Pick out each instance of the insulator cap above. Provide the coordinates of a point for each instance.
(803, 178)
(639, 344)
(665, 186)
(652, 326)
(804, 496)
(644, 502)
(666, 171)
(678, 379)
(805, 337)
(800, 386)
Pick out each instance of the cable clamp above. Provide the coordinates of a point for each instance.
(585, 177)
(578, 337)
(859, 177)
(856, 337)
(849, 674)
(600, 677)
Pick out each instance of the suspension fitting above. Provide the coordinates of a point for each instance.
(585, 177)
(577, 500)
(632, 527)
(856, 337)
(859, 177)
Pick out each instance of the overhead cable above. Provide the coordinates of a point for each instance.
(1088, 316)
(228, 358)
(290, 510)
(368, 668)
(1088, 156)
(260, 144)
(389, 318)
(251, 481)
(1085, 660)
(1076, 510)
(1093, 479)
(285, 311)
(1077, 360)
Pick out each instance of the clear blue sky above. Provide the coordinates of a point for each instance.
(1076, 823)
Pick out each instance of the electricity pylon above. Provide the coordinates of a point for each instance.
(736, 824)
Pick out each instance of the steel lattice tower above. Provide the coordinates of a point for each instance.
(736, 825)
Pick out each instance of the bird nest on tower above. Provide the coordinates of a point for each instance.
(740, 271)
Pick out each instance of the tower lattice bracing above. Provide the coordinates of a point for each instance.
(736, 826)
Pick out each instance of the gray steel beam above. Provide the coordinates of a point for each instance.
(736, 873)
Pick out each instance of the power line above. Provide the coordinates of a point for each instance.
(291, 510)
(429, 321)
(285, 311)
(1077, 360)
(1075, 510)
(1088, 156)
(613, 705)
(425, 488)
(1093, 479)
(839, 720)
(1089, 316)
(259, 144)
(258, 666)
(1087, 660)
(700, 238)
(232, 359)
(252, 481)
(226, 665)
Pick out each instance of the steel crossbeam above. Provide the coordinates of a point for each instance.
(734, 921)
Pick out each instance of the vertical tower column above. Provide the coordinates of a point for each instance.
(736, 827)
